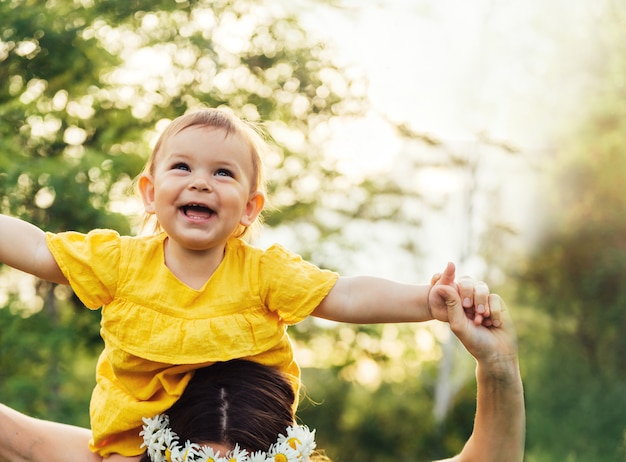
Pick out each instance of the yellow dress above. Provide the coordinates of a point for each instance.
(157, 330)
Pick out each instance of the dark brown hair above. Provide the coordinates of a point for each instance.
(234, 402)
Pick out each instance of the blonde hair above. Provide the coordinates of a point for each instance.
(222, 119)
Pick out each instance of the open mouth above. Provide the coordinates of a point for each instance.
(197, 211)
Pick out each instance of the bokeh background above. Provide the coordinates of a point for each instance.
(408, 133)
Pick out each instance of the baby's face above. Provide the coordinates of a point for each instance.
(201, 189)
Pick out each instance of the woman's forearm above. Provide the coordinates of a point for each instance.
(499, 428)
(26, 439)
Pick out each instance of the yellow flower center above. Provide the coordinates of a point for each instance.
(293, 442)
(280, 458)
(168, 455)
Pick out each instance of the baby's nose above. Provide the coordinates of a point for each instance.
(200, 183)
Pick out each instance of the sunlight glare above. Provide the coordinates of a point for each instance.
(436, 179)
(45, 197)
(74, 136)
(424, 340)
(143, 63)
(363, 146)
(368, 373)
(45, 128)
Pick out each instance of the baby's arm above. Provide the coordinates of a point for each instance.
(23, 246)
(364, 300)
(368, 300)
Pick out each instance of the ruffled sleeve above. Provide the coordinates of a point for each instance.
(90, 262)
(291, 286)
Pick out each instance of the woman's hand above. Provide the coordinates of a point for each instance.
(474, 298)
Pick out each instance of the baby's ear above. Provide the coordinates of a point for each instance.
(146, 189)
(254, 206)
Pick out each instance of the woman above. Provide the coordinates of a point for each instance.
(231, 416)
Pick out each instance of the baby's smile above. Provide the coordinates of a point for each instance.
(197, 211)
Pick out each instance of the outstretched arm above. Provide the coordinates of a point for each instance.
(499, 427)
(26, 439)
(23, 246)
(367, 300)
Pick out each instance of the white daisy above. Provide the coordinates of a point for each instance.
(152, 434)
(151, 425)
(208, 454)
(237, 455)
(283, 452)
(306, 438)
(259, 456)
(162, 445)
(174, 454)
(300, 438)
(190, 452)
(159, 442)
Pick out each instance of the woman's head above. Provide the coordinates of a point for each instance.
(237, 403)
(234, 402)
(210, 131)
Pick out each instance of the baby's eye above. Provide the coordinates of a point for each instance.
(181, 166)
(224, 172)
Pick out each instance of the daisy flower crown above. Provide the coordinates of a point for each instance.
(163, 445)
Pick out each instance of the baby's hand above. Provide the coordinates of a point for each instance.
(475, 299)
(474, 296)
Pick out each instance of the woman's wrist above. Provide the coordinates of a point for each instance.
(500, 369)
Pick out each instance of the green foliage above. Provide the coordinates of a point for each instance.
(573, 414)
(372, 398)
(576, 401)
(47, 366)
(393, 422)
(576, 372)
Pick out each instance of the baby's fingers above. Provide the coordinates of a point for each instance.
(481, 299)
(474, 294)
(495, 311)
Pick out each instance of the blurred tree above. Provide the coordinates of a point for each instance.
(576, 347)
(381, 409)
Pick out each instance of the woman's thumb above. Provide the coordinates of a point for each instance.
(451, 298)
